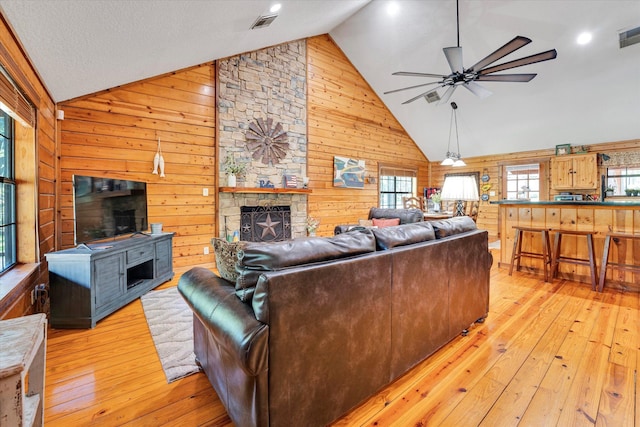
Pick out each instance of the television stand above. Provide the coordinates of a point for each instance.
(91, 281)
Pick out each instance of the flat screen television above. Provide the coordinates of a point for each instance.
(105, 208)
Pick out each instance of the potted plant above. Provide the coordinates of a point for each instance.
(436, 198)
(312, 225)
(609, 191)
(628, 191)
(233, 169)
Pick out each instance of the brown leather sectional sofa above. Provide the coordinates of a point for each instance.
(327, 322)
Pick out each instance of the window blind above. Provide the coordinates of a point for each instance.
(14, 103)
(397, 171)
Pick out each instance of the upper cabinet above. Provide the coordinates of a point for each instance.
(574, 172)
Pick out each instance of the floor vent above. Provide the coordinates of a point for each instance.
(263, 21)
(629, 37)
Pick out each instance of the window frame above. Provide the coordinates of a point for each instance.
(8, 191)
(543, 176)
(396, 172)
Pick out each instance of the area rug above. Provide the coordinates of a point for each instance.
(170, 321)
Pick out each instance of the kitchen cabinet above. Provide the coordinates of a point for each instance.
(574, 172)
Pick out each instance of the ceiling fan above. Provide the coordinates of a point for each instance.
(479, 72)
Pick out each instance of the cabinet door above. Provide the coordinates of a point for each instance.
(562, 173)
(586, 172)
(108, 279)
(163, 258)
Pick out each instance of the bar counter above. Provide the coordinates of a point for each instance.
(598, 217)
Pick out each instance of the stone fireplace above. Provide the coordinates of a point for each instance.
(268, 84)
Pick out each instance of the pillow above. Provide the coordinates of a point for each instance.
(258, 257)
(451, 226)
(227, 257)
(385, 222)
(406, 234)
(365, 223)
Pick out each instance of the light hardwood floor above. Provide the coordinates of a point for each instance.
(549, 354)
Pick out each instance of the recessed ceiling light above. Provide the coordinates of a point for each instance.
(276, 7)
(584, 38)
(392, 8)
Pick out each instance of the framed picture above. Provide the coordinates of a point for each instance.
(348, 173)
(563, 149)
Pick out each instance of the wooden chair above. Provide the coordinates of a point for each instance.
(413, 202)
(472, 210)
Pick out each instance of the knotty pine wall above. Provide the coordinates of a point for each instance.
(346, 118)
(17, 301)
(114, 134)
(488, 213)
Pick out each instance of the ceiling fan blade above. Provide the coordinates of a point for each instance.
(501, 52)
(477, 90)
(447, 94)
(411, 87)
(412, 74)
(420, 96)
(538, 57)
(506, 77)
(454, 58)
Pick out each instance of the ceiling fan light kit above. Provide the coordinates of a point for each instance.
(479, 72)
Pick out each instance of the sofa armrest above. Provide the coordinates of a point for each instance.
(231, 322)
(339, 229)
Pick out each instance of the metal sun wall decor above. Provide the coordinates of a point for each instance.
(348, 173)
(267, 144)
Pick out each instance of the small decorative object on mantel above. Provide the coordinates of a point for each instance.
(233, 170)
(266, 184)
(267, 144)
(312, 225)
(158, 160)
(290, 181)
(563, 149)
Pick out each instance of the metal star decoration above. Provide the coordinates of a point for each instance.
(268, 226)
(267, 144)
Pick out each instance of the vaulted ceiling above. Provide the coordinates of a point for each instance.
(589, 94)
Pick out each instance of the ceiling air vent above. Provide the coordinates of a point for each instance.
(629, 37)
(432, 97)
(263, 21)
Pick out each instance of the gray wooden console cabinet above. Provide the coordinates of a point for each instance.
(92, 281)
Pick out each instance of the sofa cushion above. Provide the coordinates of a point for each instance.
(401, 235)
(227, 257)
(258, 257)
(451, 226)
(385, 222)
(406, 215)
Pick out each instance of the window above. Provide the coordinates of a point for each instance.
(522, 182)
(623, 179)
(396, 183)
(7, 194)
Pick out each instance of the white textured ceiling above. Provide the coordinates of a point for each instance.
(589, 94)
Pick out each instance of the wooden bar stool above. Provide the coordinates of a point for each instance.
(557, 258)
(605, 256)
(518, 253)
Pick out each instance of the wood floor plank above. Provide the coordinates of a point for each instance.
(513, 402)
(548, 354)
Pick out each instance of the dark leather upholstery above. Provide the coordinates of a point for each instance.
(406, 216)
(317, 339)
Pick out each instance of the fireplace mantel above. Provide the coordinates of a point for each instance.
(264, 190)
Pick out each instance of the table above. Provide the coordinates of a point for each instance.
(430, 216)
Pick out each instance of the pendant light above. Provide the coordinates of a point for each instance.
(453, 159)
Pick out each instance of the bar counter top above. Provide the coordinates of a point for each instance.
(619, 203)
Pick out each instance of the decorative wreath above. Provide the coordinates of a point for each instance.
(269, 144)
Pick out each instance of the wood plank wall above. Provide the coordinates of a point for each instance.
(488, 213)
(114, 134)
(347, 118)
(16, 62)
